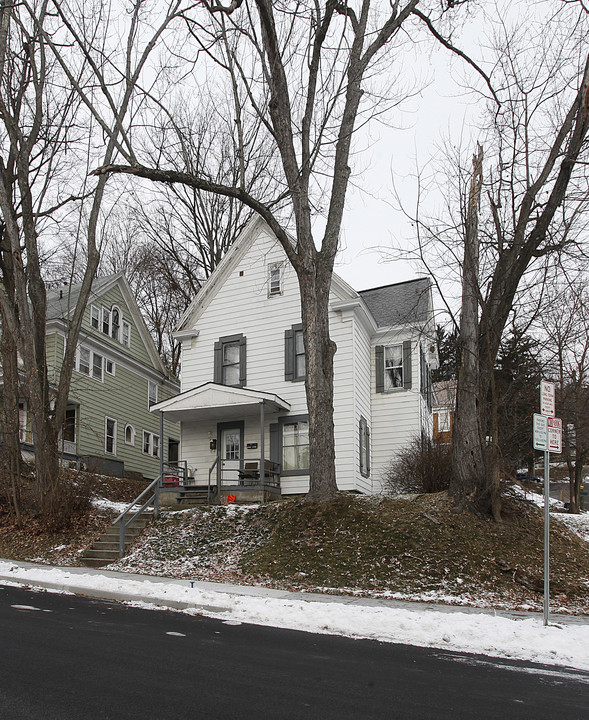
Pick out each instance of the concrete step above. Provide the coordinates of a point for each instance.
(101, 554)
(94, 562)
(105, 549)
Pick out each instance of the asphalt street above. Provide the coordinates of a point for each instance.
(64, 657)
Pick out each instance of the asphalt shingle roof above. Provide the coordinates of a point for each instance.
(62, 300)
(399, 304)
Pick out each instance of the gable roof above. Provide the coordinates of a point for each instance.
(61, 303)
(403, 303)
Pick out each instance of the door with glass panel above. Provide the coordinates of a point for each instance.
(230, 439)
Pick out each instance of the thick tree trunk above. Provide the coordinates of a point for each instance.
(319, 353)
(473, 468)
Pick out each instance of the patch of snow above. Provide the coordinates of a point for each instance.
(473, 632)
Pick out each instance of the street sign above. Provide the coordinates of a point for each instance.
(554, 435)
(540, 432)
(547, 397)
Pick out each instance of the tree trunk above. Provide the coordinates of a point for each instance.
(319, 353)
(468, 436)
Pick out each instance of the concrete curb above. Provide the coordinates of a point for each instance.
(244, 590)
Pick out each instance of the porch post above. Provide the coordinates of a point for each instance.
(262, 466)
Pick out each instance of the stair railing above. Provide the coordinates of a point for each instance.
(213, 466)
(124, 524)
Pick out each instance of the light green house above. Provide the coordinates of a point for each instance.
(118, 376)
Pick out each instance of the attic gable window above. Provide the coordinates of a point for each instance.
(275, 279)
(105, 321)
(126, 334)
(393, 367)
(95, 317)
(115, 321)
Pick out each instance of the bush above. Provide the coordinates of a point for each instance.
(422, 467)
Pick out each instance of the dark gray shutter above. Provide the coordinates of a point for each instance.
(379, 368)
(407, 364)
(218, 363)
(242, 361)
(289, 353)
(367, 450)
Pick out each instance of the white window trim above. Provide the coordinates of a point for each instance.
(114, 366)
(114, 436)
(95, 310)
(151, 384)
(385, 366)
(130, 427)
(116, 308)
(125, 324)
(91, 353)
(272, 267)
(151, 437)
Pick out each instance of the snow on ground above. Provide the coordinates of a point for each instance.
(512, 637)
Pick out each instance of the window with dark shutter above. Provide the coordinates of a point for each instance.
(295, 366)
(393, 366)
(364, 447)
(230, 362)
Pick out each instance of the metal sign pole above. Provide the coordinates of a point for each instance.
(546, 535)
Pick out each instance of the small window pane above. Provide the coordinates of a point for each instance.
(95, 317)
(126, 334)
(97, 366)
(84, 364)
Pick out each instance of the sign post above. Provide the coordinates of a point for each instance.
(547, 437)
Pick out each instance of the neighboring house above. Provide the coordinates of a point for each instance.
(118, 376)
(444, 408)
(243, 369)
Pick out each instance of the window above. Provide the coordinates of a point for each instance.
(393, 367)
(89, 363)
(295, 446)
(364, 448)
(105, 321)
(230, 361)
(84, 360)
(129, 434)
(275, 279)
(115, 319)
(97, 361)
(151, 444)
(294, 354)
(110, 436)
(443, 421)
(109, 366)
(69, 426)
(126, 338)
(95, 317)
(151, 393)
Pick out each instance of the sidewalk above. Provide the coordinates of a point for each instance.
(156, 591)
(502, 633)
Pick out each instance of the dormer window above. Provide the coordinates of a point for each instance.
(275, 279)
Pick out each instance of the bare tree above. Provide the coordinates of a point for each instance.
(533, 199)
(565, 325)
(40, 104)
(307, 76)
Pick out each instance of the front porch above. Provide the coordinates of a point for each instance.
(226, 444)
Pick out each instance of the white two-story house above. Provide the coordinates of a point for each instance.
(243, 369)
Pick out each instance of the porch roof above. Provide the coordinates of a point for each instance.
(218, 402)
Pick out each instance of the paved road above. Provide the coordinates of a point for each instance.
(64, 657)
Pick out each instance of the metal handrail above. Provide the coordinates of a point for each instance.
(121, 518)
(209, 485)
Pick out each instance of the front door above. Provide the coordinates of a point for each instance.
(230, 439)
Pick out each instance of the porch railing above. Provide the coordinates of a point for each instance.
(246, 476)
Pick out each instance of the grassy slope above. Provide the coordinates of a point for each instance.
(412, 547)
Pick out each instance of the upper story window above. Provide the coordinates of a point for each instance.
(393, 367)
(111, 323)
(295, 366)
(275, 271)
(95, 316)
(115, 323)
(151, 393)
(230, 361)
(89, 362)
